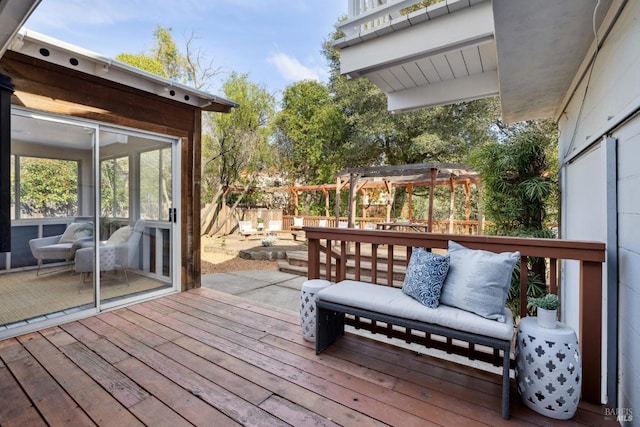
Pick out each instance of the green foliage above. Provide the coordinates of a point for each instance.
(236, 145)
(519, 179)
(547, 302)
(309, 129)
(143, 62)
(48, 187)
(114, 183)
(166, 52)
(536, 287)
(418, 6)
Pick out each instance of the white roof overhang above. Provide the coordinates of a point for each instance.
(48, 49)
(541, 45)
(427, 57)
(13, 14)
(531, 53)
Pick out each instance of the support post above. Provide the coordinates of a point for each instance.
(353, 182)
(387, 185)
(410, 194)
(326, 202)
(338, 188)
(6, 90)
(591, 329)
(432, 184)
(452, 204)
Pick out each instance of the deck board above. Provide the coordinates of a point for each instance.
(206, 358)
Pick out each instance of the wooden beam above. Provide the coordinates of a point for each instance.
(338, 188)
(410, 193)
(353, 183)
(326, 201)
(452, 205)
(434, 173)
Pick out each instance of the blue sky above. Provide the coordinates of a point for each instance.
(276, 42)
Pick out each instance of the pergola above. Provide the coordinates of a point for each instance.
(359, 180)
(407, 176)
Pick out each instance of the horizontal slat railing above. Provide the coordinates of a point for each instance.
(590, 255)
(439, 226)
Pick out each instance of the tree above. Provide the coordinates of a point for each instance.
(376, 136)
(48, 187)
(520, 191)
(236, 145)
(309, 131)
(165, 60)
(519, 178)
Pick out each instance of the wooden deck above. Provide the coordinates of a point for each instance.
(212, 359)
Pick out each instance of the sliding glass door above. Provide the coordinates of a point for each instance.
(94, 218)
(137, 227)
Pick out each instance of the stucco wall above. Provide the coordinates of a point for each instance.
(612, 96)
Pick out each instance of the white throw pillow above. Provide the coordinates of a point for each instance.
(77, 230)
(121, 235)
(298, 222)
(478, 281)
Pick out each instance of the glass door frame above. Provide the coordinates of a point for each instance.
(93, 128)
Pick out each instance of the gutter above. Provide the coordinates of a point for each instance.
(51, 50)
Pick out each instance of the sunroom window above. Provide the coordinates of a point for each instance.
(45, 188)
(114, 201)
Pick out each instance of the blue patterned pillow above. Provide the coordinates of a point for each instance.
(425, 275)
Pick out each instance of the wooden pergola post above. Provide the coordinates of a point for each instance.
(364, 203)
(353, 183)
(410, 193)
(338, 187)
(467, 205)
(432, 183)
(387, 185)
(452, 204)
(326, 201)
(294, 192)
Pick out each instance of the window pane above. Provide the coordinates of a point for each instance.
(166, 184)
(149, 185)
(48, 188)
(114, 188)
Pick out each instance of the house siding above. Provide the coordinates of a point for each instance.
(612, 98)
(628, 184)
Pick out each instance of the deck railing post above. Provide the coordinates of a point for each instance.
(591, 329)
(314, 259)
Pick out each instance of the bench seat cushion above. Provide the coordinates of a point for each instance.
(392, 301)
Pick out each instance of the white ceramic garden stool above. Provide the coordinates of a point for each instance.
(310, 289)
(548, 368)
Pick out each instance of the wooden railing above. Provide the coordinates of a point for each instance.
(355, 242)
(439, 226)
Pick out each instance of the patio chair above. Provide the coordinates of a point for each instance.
(62, 246)
(275, 225)
(117, 253)
(245, 228)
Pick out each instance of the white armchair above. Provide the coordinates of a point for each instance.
(275, 225)
(245, 228)
(117, 253)
(62, 246)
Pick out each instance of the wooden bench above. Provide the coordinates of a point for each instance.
(389, 305)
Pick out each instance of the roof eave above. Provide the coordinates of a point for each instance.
(31, 43)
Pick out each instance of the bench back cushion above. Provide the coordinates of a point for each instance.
(425, 275)
(478, 281)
